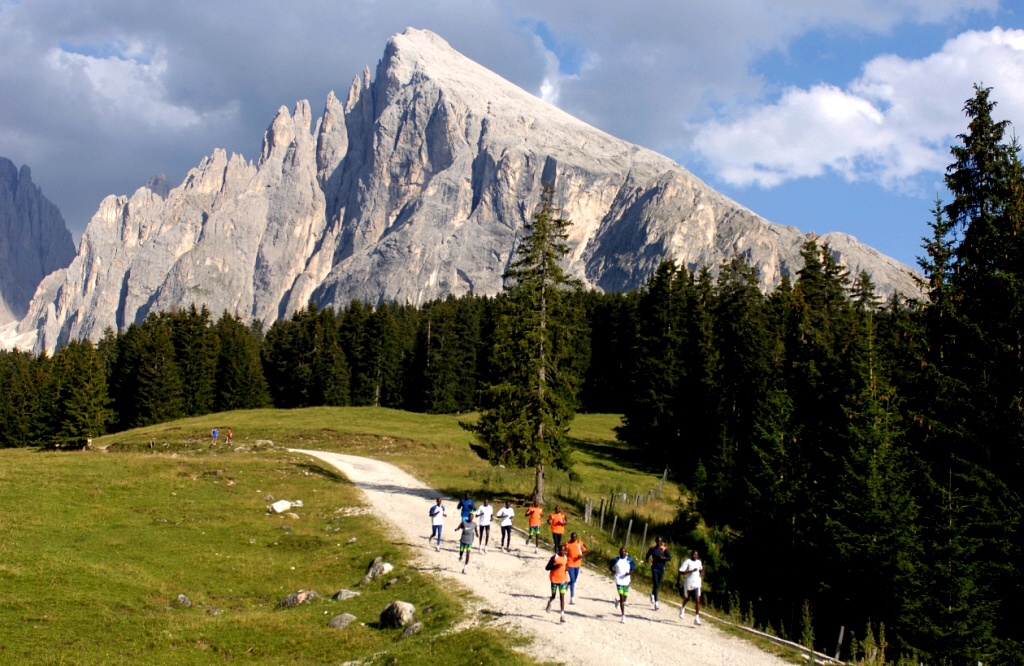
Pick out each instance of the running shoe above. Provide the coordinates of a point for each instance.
(696, 621)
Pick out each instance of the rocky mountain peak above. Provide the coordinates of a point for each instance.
(417, 187)
(34, 240)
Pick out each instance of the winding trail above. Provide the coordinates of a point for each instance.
(514, 587)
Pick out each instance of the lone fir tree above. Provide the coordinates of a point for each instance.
(537, 344)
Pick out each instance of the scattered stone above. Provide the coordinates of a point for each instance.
(300, 597)
(293, 516)
(297, 504)
(398, 614)
(214, 611)
(352, 540)
(393, 581)
(377, 569)
(341, 621)
(260, 443)
(342, 595)
(268, 498)
(184, 601)
(412, 629)
(285, 528)
(240, 449)
(428, 610)
(280, 506)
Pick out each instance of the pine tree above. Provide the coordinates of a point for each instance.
(195, 353)
(240, 380)
(81, 406)
(148, 383)
(527, 413)
(650, 420)
(21, 413)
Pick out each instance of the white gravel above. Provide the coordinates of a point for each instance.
(514, 586)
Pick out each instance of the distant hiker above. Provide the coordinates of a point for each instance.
(690, 573)
(658, 556)
(505, 515)
(88, 442)
(534, 514)
(622, 569)
(559, 576)
(466, 506)
(485, 513)
(468, 528)
(213, 437)
(231, 437)
(557, 522)
(575, 550)
(437, 516)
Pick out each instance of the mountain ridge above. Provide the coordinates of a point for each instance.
(417, 186)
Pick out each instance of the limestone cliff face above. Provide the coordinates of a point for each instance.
(33, 240)
(414, 187)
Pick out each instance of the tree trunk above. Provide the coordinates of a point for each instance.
(538, 488)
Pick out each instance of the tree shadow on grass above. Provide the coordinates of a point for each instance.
(617, 456)
(326, 472)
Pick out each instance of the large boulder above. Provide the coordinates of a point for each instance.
(377, 569)
(397, 615)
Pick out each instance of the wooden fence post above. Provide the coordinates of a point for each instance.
(615, 521)
(644, 542)
(629, 530)
(602, 514)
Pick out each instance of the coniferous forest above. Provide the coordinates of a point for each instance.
(856, 457)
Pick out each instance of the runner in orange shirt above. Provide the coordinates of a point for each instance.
(557, 522)
(534, 513)
(559, 579)
(574, 549)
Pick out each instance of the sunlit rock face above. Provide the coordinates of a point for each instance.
(414, 187)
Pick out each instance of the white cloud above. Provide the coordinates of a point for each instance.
(128, 86)
(894, 122)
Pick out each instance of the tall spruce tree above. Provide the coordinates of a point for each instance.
(195, 353)
(81, 400)
(240, 380)
(974, 439)
(527, 413)
(650, 420)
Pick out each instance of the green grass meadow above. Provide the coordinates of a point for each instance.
(95, 549)
(96, 546)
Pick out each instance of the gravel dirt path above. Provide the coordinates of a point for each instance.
(514, 587)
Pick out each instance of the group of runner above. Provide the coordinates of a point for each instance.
(564, 566)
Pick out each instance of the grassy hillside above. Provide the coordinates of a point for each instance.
(95, 549)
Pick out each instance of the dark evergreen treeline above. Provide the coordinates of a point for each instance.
(864, 457)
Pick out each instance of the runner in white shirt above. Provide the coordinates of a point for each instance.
(484, 513)
(622, 570)
(437, 514)
(505, 515)
(690, 573)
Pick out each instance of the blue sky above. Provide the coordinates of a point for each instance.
(823, 116)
